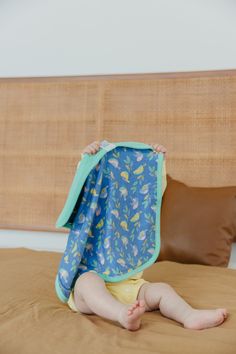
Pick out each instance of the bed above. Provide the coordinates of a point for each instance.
(45, 123)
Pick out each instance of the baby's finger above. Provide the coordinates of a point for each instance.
(159, 148)
(92, 150)
(95, 145)
(85, 152)
(96, 142)
(162, 149)
(88, 150)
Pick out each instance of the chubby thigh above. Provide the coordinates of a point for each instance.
(125, 291)
(76, 301)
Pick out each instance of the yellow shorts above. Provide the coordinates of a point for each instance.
(125, 291)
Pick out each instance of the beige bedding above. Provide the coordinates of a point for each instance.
(34, 321)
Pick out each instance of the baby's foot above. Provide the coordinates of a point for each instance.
(201, 319)
(130, 317)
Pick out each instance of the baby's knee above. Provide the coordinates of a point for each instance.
(164, 286)
(86, 279)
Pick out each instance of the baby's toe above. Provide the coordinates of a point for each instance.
(135, 304)
(141, 303)
(224, 312)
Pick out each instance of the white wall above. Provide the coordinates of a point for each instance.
(80, 37)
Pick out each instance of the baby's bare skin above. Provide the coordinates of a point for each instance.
(130, 318)
(95, 146)
(92, 297)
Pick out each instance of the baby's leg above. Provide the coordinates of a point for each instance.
(92, 296)
(162, 296)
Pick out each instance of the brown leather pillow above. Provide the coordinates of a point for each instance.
(198, 224)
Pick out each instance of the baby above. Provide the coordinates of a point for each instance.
(127, 300)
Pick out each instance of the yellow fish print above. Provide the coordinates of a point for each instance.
(77, 254)
(90, 234)
(139, 170)
(104, 192)
(125, 176)
(115, 212)
(124, 225)
(135, 217)
(114, 163)
(107, 272)
(139, 263)
(121, 261)
(144, 188)
(100, 181)
(142, 235)
(100, 224)
(94, 192)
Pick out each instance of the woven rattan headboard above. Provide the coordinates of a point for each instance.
(45, 123)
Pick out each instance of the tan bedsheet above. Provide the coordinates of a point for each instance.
(34, 321)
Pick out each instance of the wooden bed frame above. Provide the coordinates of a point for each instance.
(46, 122)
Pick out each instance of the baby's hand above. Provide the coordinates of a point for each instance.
(92, 148)
(159, 148)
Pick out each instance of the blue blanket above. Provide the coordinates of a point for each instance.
(115, 222)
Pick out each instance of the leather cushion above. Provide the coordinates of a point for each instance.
(198, 224)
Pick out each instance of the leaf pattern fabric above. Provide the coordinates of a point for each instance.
(114, 229)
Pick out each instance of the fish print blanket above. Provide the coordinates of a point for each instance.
(115, 224)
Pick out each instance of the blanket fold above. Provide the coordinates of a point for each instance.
(113, 213)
